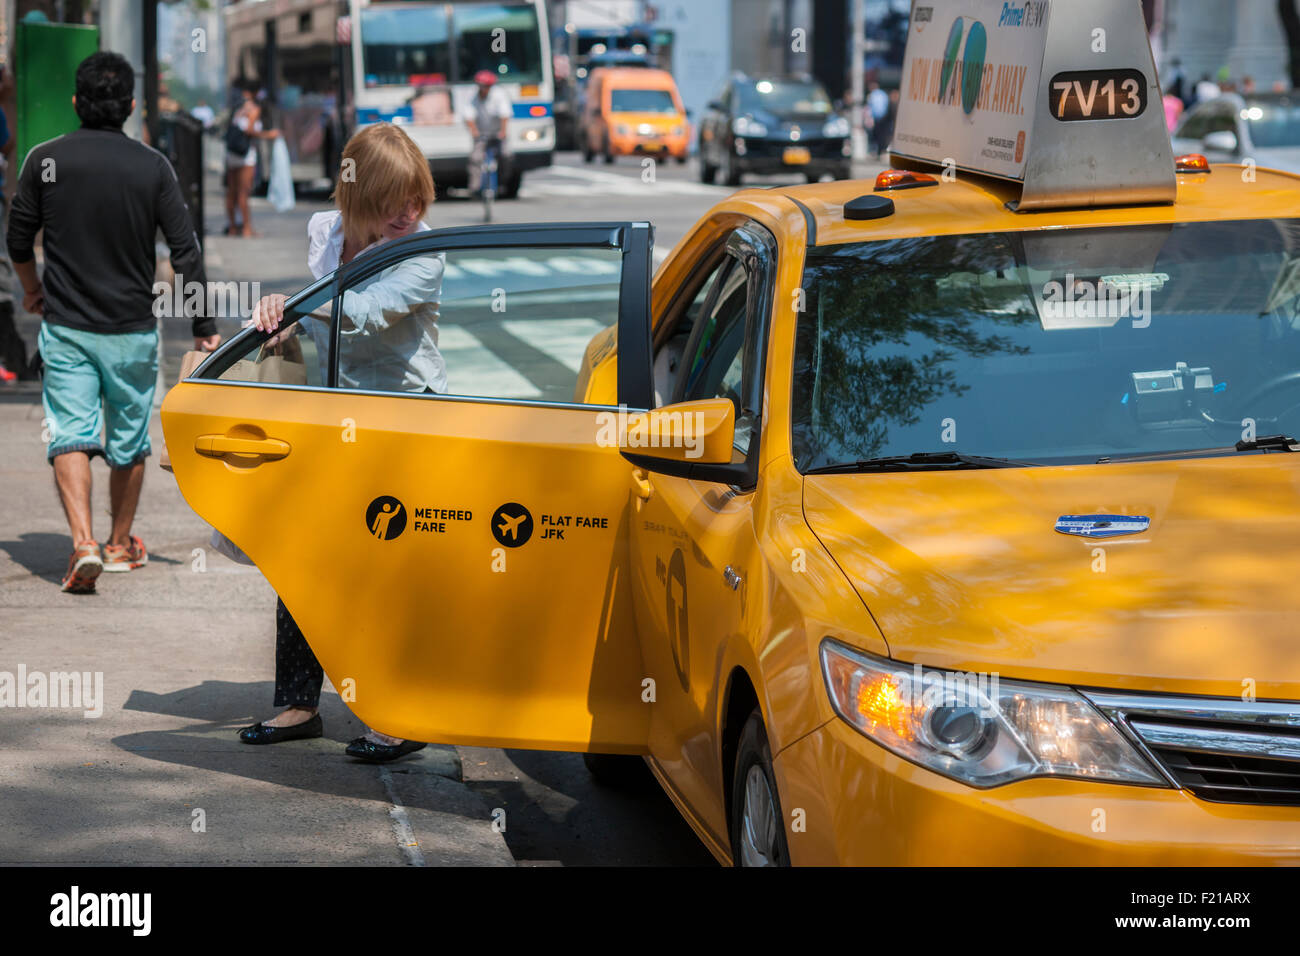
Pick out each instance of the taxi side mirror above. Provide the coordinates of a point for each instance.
(700, 433)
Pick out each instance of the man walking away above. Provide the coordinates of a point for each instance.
(100, 197)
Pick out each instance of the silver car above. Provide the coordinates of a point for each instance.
(1264, 127)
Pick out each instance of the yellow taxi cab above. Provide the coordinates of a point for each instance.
(945, 519)
(634, 111)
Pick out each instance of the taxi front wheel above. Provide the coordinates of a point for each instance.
(757, 823)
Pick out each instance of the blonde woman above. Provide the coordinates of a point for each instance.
(388, 339)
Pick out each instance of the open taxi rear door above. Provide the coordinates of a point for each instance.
(457, 562)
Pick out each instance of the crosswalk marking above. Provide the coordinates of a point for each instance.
(473, 370)
(565, 181)
(564, 340)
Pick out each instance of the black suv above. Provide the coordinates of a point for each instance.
(773, 124)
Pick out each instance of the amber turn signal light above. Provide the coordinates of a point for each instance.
(903, 179)
(1192, 163)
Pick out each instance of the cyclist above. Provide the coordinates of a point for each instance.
(486, 114)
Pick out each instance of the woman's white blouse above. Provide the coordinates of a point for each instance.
(389, 339)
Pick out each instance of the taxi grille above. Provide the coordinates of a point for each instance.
(1225, 751)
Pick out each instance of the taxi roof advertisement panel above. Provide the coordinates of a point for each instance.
(1059, 96)
(970, 83)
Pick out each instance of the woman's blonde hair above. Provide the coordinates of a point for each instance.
(382, 171)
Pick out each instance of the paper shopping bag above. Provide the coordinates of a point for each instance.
(189, 362)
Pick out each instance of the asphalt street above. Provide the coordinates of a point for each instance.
(189, 654)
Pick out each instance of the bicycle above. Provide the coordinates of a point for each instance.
(488, 179)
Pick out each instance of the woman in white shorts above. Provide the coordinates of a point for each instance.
(241, 167)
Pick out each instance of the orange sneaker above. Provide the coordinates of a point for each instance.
(83, 568)
(118, 557)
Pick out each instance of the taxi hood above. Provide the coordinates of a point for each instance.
(965, 570)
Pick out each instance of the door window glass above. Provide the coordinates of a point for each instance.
(1222, 121)
(298, 354)
(668, 364)
(718, 354)
(1196, 125)
(488, 323)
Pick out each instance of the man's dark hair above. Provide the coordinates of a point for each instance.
(105, 86)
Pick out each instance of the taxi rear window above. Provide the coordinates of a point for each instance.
(1053, 346)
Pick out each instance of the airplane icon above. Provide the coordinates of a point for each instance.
(510, 525)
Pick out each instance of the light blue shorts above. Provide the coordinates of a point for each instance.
(95, 382)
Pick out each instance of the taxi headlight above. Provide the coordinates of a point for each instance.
(747, 126)
(976, 728)
(835, 127)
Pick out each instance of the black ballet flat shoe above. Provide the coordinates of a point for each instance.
(372, 752)
(259, 733)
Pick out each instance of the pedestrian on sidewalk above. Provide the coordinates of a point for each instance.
(392, 322)
(100, 197)
(242, 133)
(877, 110)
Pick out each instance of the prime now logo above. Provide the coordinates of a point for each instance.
(218, 300)
(69, 690)
(624, 429)
(74, 909)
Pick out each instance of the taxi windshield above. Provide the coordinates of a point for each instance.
(641, 101)
(1049, 347)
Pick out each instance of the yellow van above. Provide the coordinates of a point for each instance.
(634, 111)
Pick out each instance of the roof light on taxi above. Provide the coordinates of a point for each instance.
(1192, 163)
(903, 179)
(996, 89)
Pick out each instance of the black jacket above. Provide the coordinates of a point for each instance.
(101, 198)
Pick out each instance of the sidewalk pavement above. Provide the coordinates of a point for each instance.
(186, 648)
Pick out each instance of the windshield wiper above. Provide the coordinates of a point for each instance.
(1268, 443)
(923, 461)
(1271, 443)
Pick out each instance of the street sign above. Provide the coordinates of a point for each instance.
(1060, 97)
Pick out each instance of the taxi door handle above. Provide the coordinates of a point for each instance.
(641, 485)
(217, 446)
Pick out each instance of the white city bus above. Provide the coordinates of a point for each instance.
(330, 67)
(414, 64)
